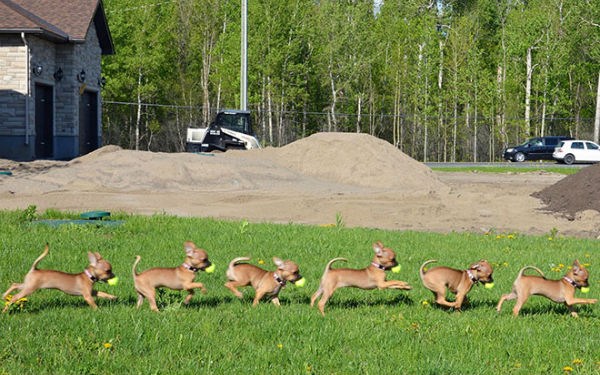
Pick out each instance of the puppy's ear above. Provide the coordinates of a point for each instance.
(378, 248)
(189, 247)
(92, 259)
(278, 262)
(98, 256)
(576, 264)
(475, 266)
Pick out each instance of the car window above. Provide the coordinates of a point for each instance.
(561, 144)
(551, 141)
(591, 146)
(577, 145)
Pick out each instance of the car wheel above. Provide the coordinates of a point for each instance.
(519, 157)
(569, 159)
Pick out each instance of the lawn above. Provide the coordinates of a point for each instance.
(366, 332)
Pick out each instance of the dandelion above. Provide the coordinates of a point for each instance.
(505, 264)
(107, 345)
(498, 237)
(586, 264)
(425, 303)
(280, 346)
(576, 361)
(309, 368)
(510, 236)
(517, 364)
(568, 368)
(549, 238)
(260, 261)
(561, 265)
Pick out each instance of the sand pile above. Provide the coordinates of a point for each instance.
(358, 159)
(326, 162)
(575, 193)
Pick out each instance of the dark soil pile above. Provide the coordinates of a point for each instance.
(575, 193)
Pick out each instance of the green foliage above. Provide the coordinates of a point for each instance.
(365, 331)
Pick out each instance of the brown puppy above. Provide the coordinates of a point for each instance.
(458, 282)
(368, 278)
(178, 278)
(264, 282)
(560, 291)
(80, 284)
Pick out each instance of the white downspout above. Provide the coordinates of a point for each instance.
(28, 92)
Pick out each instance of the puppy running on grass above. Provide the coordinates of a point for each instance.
(368, 278)
(560, 291)
(80, 284)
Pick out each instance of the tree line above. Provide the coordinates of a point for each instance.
(443, 80)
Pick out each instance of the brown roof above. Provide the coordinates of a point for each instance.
(58, 20)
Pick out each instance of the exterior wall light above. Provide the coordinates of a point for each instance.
(81, 76)
(37, 70)
(58, 75)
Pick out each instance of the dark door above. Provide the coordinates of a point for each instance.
(88, 122)
(44, 115)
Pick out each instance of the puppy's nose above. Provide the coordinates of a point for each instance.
(491, 279)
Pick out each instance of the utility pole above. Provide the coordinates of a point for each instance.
(244, 67)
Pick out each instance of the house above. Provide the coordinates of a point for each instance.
(50, 77)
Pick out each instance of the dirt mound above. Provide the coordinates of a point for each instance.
(575, 193)
(326, 162)
(358, 159)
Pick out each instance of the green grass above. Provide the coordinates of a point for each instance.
(507, 169)
(366, 332)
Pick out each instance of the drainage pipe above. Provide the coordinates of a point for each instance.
(28, 91)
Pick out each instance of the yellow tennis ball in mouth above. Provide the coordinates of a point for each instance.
(210, 269)
(114, 281)
(300, 283)
(489, 285)
(396, 269)
(585, 289)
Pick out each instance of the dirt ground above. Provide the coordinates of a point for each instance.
(365, 180)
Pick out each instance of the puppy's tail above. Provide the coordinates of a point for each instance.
(328, 266)
(35, 263)
(137, 260)
(530, 267)
(422, 269)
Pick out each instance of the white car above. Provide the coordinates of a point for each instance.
(575, 151)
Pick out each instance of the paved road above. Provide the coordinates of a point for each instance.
(526, 164)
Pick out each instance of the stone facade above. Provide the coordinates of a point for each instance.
(18, 141)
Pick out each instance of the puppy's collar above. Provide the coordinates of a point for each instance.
(89, 274)
(378, 266)
(279, 280)
(187, 266)
(571, 282)
(473, 279)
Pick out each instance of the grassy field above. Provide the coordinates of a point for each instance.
(492, 169)
(366, 332)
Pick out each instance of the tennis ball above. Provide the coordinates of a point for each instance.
(114, 281)
(585, 289)
(300, 283)
(396, 269)
(489, 285)
(210, 269)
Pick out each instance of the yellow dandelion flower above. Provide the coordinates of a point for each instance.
(561, 265)
(586, 264)
(570, 267)
(510, 236)
(498, 237)
(107, 345)
(260, 261)
(280, 346)
(309, 368)
(568, 368)
(517, 364)
(549, 238)
(505, 264)
(425, 303)
(576, 361)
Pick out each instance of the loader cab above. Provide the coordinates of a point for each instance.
(238, 121)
